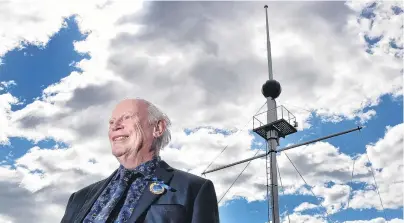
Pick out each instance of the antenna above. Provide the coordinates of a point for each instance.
(276, 127)
(271, 90)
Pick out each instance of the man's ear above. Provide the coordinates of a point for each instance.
(159, 128)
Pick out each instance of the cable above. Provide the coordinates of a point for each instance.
(261, 108)
(353, 168)
(283, 192)
(374, 178)
(235, 135)
(237, 177)
(377, 189)
(300, 107)
(327, 215)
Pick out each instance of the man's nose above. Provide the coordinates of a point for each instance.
(117, 126)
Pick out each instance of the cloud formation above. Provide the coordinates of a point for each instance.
(204, 64)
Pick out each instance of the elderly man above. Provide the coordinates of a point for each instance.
(144, 188)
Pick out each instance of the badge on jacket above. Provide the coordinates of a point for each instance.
(158, 187)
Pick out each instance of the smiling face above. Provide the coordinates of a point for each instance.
(130, 133)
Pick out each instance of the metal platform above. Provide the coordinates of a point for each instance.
(282, 125)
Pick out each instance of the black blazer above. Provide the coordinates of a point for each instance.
(191, 200)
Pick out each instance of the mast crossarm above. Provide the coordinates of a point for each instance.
(236, 163)
(319, 139)
(283, 149)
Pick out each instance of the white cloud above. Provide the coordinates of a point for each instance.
(319, 164)
(334, 197)
(387, 163)
(378, 220)
(305, 206)
(6, 84)
(5, 219)
(6, 100)
(295, 217)
(319, 219)
(384, 24)
(365, 116)
(31, 23)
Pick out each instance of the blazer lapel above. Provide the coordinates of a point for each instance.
(91, 197)
(163, 173)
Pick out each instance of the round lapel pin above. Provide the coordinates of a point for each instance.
(156, 188)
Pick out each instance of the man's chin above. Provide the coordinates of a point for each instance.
(123, 152)
(118, 152)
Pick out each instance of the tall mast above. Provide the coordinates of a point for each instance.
(268, 45)
(275, 128)
(273, 92)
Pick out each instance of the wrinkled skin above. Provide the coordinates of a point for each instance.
(130, 119)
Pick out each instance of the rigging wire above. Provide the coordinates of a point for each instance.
(283, 189)
(352, 174)
(311, 110)
(305, 109)
(377, 189)
(325, 210)
(238, 177)
(374, 178)
(353, 168)
(234, 135)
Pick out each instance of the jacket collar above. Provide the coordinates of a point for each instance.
(163, 173)
(92, 196)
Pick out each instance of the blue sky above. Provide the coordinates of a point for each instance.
(34, 68)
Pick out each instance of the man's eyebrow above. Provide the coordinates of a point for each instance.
(126, 113)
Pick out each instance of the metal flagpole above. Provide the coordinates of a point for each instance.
(272, 135)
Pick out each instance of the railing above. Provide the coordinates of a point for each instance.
(260, 119)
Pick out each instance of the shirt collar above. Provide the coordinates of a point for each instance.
(146, 169)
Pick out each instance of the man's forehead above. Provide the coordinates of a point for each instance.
(128, 107)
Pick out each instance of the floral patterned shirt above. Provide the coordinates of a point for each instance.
(119, 198)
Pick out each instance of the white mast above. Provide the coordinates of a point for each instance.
(272, 135)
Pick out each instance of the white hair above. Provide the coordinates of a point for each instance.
(155, 115)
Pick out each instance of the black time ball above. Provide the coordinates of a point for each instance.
(271, 88)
